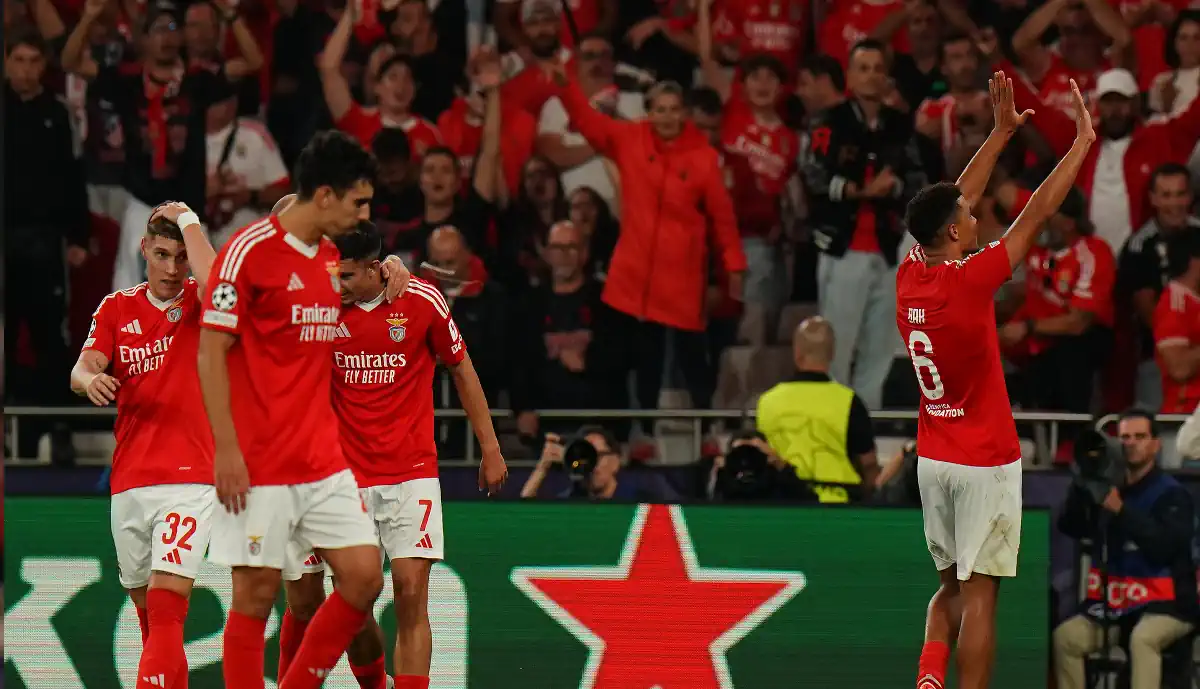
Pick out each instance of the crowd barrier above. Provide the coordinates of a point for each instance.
(558, 596)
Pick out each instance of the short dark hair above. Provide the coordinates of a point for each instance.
(363, 244)
(867, 44)
(391, 145)
(28, 38)
(1139, 413)
(1170, 170)
(332, 159)
(955, 37)
(706, 100)
(443, 151)
(828, 66)
(930, 211)
(1169, 53)
(757, 61)
(161, 227)
(397, 59)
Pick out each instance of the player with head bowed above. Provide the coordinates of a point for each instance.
(270, 315)
(384, 360)
(969, 466)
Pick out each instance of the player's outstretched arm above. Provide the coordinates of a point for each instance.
(88, 379)
(1049, 196)
(200, 251)
(229, 469)
(492, 470)
(974, 179)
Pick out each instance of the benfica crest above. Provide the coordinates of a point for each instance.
(174, 314)
(396, 331)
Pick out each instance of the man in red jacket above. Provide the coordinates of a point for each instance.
(673, 197)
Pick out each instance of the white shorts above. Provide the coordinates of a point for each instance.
(322, 514)
(161, 529)
(972, 516)
(408, 522)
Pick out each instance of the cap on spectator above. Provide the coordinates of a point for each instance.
(1118, 81)
(531, 9)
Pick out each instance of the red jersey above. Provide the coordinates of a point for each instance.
(364, 124)
(384, 359)
(162, 431)
(759, 160)
(1080, 276)
(944, 110)
(947, 317)
(465, 136)
(280, 297)
(771, 27)
(1177, 322)
(852, 21)
(530, 88)
(1055, 86)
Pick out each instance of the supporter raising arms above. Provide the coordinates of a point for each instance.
(393, 89)
(672, 196)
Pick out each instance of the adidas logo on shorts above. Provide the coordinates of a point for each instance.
(425, 542)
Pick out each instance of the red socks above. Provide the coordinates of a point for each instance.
(412, 682)
(372, 676)
(329, 633)
(163, 660)
(291, 633)
(242, 666)
(931, 671)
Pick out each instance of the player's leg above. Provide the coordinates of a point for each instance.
(945, 608)
(366, 657)
(183, 524)
(304, 591)
(254, 544)
(335, 522)
(414, 636)
(988, 536)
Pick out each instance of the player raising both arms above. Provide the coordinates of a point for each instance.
(384, 361)
(271, 312)
(162, 492)
(969, 470)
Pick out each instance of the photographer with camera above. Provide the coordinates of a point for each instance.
(1140, 522)
(751, 470)
(592, 460)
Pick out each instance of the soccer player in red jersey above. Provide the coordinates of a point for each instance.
(271, 312)
(969, 466)
(162, 492)
(384, 360)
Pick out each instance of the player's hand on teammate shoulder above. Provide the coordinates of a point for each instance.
(230, 478)
(102, 389)
(1004, 110)
(493, 472)
(1083, 117)
(395, 277)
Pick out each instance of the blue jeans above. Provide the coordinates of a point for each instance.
(766, 282)
(857, 295)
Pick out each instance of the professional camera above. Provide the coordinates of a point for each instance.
(1099, 464)
(579, 459)
(746, 474)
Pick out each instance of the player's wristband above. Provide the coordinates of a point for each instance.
(188, 218)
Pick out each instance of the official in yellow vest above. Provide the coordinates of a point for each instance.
(817, 425)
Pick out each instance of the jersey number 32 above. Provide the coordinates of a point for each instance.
(922, 362)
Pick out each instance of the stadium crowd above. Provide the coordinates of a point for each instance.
(655, 190)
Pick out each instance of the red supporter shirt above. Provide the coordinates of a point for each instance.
(384, 359)
(1078, 277)
(1055, 86)
(853, 20)
(364, 124)
(772, 27)
(464, 138)
(162, 432)
(530, 88)
(947, 317)
(279, 296)
(768, 154)
(1177, 322)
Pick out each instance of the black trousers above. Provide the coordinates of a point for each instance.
(645, 354)
(1062, 378)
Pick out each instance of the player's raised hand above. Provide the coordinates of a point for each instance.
(1003, 108)
(493, 472)
(395, 277)
(102, 389)
(1083, 117)
(231, 479)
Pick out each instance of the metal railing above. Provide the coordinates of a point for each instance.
(1046, 424)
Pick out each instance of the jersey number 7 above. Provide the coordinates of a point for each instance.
(923, 361)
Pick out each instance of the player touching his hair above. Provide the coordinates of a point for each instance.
(969, 469)
(384, 360)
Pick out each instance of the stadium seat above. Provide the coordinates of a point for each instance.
(671, 398)
(792, 316)
(733, 377)
(771, 366)
(91, 448)
(752, 328)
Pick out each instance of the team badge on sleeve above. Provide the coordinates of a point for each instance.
(396, 331)
(224, 297)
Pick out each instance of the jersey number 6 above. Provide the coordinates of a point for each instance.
(922, 361)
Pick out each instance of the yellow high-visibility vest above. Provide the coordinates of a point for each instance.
(805, 422)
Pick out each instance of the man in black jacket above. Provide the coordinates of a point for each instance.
(863, 167)
(45, 214)
(1148, 527)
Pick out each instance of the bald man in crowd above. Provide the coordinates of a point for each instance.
(817, 425)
